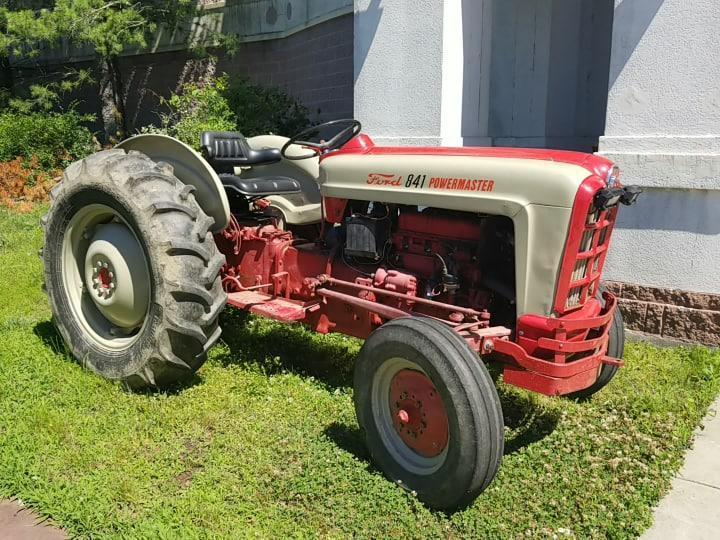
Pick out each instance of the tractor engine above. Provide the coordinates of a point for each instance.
(454, 258)
(444, 251)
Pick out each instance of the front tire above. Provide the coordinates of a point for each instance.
(430, 412)
(616, 349)
(132, 270)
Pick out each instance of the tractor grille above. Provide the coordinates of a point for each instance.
(591, 250)
(590, 247)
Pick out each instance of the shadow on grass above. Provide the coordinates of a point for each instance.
(51, 338)
(526, 423)
(276, 348)
(350, 439)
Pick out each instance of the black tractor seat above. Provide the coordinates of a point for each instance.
(225, 150)
(260, 187)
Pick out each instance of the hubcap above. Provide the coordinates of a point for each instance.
(116, 275)
(103, 279)
(106, 276)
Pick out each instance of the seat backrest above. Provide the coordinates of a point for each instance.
(225, 150)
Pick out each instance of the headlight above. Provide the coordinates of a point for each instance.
(607, 198)
(630, 195)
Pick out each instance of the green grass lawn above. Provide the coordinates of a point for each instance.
(264, 442)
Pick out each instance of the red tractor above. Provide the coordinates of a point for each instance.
(442, 259)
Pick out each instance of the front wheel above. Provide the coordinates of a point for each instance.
(616, 349)
(430, 412)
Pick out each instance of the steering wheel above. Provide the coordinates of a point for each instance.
(352, 129)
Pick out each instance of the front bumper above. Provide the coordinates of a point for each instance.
(556, 356)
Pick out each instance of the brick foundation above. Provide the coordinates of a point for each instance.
(670, 313)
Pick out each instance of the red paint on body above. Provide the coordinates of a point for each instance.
(334, 209)
(271, 274)
(363, 144)
(587, 244)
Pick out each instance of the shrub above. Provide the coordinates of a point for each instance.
(227, 105)
(196, 109)
(261, 109)
(52, 139)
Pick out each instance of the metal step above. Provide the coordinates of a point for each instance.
(278, 309)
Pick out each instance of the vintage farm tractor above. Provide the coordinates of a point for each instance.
(441, 258)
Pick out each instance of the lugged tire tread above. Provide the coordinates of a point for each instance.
(214, 311)
(202, 227)
(213, 268)
(163, 207)
(174, 359)
(212, 340)
(189, 247)
(189, 292)
(186, 191)
(187, 328)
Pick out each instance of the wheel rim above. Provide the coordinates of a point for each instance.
(106, 276)
(410, 416)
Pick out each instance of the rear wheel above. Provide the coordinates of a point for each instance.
(131, 270)
(430, 412)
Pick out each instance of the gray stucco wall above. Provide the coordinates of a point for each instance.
(549, 72)
(483, 72)
(398, 70)
(663, 129)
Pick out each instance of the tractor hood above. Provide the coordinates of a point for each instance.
(488, 180)
(535, 188)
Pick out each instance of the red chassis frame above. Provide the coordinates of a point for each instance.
(272, 274)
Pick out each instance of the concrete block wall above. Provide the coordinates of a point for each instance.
(314, 65)
(669, 313)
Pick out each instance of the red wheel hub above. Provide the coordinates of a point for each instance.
(104, 277)
(418, 413)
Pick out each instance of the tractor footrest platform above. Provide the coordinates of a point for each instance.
(272, 307)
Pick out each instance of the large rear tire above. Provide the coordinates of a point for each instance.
(431, 414)
(132, 270)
